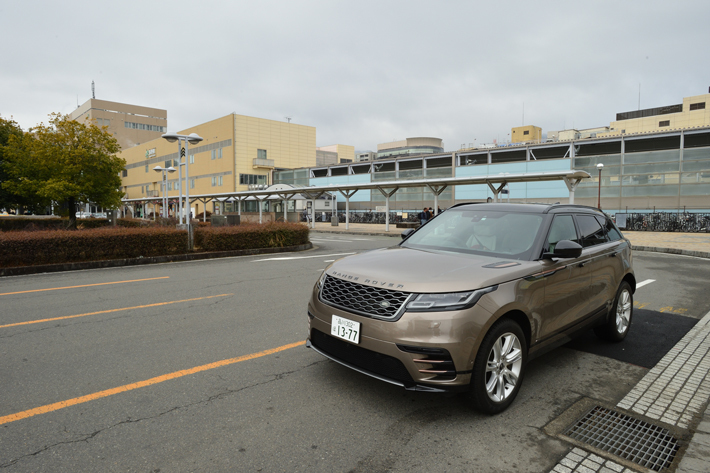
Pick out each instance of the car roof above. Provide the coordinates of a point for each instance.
(528, 208)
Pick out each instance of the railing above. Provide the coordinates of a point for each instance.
(667, 222)
(369, 217)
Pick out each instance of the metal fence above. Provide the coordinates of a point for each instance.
(369, 217)
(665, 222)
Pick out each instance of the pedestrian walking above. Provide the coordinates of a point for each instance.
(423, 216)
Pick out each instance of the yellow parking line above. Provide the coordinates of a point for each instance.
(85, 285)
(112, 310)
(140, 384)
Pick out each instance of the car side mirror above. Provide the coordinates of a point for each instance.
(406, 233)
(565, 249)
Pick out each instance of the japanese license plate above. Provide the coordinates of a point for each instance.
(346, 329)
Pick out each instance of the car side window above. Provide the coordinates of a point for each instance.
(610, 228)
(591, 231)
(562, 228)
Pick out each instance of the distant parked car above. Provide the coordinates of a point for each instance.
(99, 215)
(83, 215)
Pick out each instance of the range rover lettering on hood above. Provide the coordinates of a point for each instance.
(374, 282)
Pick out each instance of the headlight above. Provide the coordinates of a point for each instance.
(321, 280)
(447, 301)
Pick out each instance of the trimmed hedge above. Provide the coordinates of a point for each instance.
(41, 224)
(63, 246)
(248, 236)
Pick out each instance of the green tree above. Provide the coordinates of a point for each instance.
(8, 128)
(65, 161)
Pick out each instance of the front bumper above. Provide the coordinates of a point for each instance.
(380, 355)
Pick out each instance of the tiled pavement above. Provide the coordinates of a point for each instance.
(674, 392)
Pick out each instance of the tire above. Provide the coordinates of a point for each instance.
(495, 383)
(617, 326)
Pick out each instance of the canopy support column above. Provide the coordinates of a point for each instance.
(572, 186)
(436, 190)
(387, 205)
(347, 195)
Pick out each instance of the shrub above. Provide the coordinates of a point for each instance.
(28, 248)
(250, 236)
(61, 246)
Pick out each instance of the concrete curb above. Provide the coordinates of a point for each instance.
(114, 263)
(672, 251)
(350, 232)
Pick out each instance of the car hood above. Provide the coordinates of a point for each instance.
(416, 270)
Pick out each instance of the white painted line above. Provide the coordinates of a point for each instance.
(302, 257)
(321, 239)
(643, 283)
(329, 261)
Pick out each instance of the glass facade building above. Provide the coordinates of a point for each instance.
(644, 172)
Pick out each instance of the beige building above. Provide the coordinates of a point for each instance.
(692, 113)
(334, 154)
(237, 151)
(410, 147)
(131, 125)
(527, 133)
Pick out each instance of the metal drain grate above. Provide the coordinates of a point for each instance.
(637, 441)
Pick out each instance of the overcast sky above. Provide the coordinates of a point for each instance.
(362, 72)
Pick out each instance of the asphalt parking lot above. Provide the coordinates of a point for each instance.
(200, 366)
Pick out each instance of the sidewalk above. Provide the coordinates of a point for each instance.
(689, 244)
(674, 394)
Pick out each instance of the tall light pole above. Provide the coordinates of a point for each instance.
(192, 139)
(164, 185)
(600, 166)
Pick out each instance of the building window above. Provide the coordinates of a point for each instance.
(526, 132)
(213, 155)
(697, 106)
(220, 181)
(170, 186)
(146, 168)
(125, 172)
(664, 123)
(192, 183)
(219, 153)
(192, 159)
(214, 181)
(246, 179)
(261, 153)
(143, 126)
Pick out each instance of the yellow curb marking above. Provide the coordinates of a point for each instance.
(140, 384)
(111, 310)
(85, 285)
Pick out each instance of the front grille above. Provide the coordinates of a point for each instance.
(377, 363)
(645, 444)
(363, 300)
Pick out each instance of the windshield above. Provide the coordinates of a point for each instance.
(484, 232)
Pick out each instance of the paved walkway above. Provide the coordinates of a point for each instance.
(675, 393)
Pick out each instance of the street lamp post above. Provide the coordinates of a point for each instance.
(600, 166)
(164, 185)
(191, 139)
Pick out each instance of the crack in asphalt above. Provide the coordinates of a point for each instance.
(228, 392)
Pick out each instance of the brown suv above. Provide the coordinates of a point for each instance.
(467, 299)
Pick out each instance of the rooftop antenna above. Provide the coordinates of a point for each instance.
(288, 119)
(93, 90)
